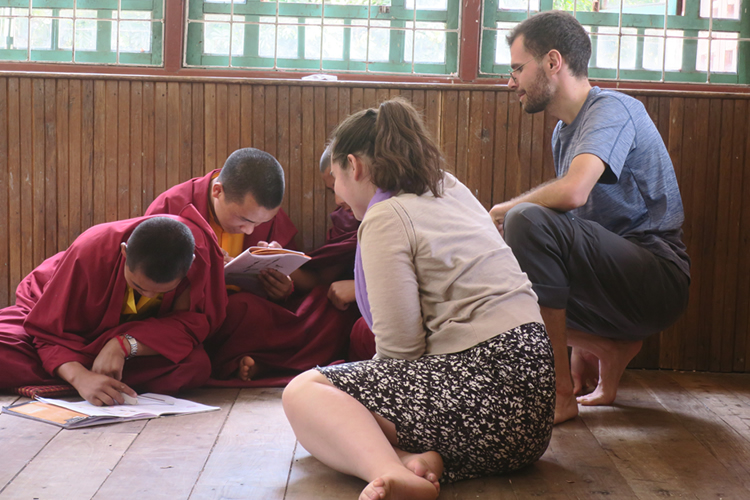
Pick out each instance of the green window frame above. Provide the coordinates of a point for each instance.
(675, 41)
(109, 32)
(360, 36)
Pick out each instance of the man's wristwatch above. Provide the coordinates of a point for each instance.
(133, 346)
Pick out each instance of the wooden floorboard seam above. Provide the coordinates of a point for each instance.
(291, 466)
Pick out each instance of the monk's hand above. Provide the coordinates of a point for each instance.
(498, 215)
(341, 294)
(97, 389)
(227, 258)
(278, 286)
(110, 360)
(265, 244)
(101, 390)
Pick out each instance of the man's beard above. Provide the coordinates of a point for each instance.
(539, 95)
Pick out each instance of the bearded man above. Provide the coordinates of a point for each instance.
(601, 243)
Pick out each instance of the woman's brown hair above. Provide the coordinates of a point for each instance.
(398, 150)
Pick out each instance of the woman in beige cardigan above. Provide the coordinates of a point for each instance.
(462, 384)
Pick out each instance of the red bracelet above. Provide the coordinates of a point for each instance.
(122, 344)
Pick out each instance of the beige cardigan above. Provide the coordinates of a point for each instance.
(440, 278)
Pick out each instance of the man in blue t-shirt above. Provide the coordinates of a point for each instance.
(602, 243)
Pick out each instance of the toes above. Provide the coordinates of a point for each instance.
(373, 491)
(418, 468)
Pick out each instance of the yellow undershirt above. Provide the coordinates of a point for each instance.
(146, 308)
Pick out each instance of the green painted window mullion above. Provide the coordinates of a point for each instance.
(690, 47)
(157, 45)
(301, 38)
(104, 32)
(347, 40)
(594, 45)
(252, 37)
(55, 31)
(743, 56)
(490, 14)
(397, 44)
(489, 37)
(451, 52)
(196, 10)
(453, 21)
(639, 48)
(689, 51)
(193, 50)
(194, 44)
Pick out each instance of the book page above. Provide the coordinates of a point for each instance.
(148, 404)
(244, 269)
(47, 412)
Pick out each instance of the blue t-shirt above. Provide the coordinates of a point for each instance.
(637, 197)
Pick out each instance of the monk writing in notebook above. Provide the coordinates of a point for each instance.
(124, 309)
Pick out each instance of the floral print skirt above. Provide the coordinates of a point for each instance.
(486, 410)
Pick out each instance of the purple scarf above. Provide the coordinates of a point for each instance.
(360, 285)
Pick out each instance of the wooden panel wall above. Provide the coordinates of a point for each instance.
(77, 152)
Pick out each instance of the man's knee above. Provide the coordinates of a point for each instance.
(525, 224)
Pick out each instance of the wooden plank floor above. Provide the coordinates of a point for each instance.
(670, 434)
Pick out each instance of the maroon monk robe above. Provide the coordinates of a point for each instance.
(292, 339)
(342, 241)
(340, 246)
(69, 307)
(361, 342)
(197, 191)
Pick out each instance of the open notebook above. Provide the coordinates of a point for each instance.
(74, 415)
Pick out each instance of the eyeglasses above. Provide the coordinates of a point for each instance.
(518, 69)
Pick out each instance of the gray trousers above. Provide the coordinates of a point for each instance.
(608, 285)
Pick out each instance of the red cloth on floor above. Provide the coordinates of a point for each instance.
(69, 307)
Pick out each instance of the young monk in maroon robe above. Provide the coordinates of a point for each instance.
(241, 202)
(124, 309)
(317, 331)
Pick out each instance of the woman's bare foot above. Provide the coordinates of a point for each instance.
(400, 484)
(428, 465)
(248, 368)
(566, 407)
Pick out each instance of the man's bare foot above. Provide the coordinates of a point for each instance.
(566, 408)
(614, 356)
(399, 485)
(428, 465)
(248, 368)
(584, 369)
